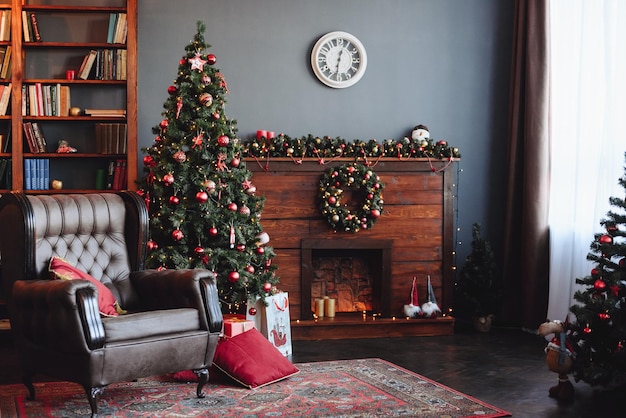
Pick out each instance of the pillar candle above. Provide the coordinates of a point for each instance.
(260, 134)
(329, 307)
(271, 135)
(319, 307)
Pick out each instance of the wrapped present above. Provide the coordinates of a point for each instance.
(235, 326)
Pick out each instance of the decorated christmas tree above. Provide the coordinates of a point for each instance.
(599, 330)
(204, 212)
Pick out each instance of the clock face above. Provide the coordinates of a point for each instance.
(338, 59)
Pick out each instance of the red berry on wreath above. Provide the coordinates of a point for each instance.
(332, 200)
(375, 213)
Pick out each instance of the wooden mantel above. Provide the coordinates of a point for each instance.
(418, 216)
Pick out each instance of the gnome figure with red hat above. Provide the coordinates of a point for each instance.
(559, 358)
(412, 310)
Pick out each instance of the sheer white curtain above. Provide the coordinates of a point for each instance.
(588, 117)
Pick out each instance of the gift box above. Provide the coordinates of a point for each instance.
(273, 320)
(235, 326)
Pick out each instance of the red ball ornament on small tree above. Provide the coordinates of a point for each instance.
(599, 285)
(252, 311)
(171, 89)
(606, 239)
(211, 59)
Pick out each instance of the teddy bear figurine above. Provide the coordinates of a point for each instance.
(559, 358)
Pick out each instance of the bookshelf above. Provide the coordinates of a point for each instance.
(48, 39)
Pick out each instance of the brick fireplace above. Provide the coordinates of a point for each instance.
(357, 273)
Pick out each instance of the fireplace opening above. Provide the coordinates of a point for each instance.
(356, 273)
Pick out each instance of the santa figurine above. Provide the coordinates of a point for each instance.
(420, 133)
(412, 310)
(430, 309)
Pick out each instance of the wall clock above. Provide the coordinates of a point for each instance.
(338, 59)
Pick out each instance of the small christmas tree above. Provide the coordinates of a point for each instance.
(599, 331)
(204, 212)
(478, 288)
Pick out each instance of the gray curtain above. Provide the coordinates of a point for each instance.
(526, 240)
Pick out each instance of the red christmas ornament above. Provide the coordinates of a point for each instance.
(174, 200)
(252, 311)
(442, 142)
(168, 179)
(232, 206)
(235, 162)
(267, 287)
(171, 89)
(587, 330)
(375, 213)
(599, 285)
(223, 140)
(202, 197)
(211, 59)
(180, 156)
(164, 124)
(177, 235)
(198, 250)
(604, 316)
(148, 161)
(182, 61)
(250, 269)
(216, 116)
(241, 247)
(332, 200)
(606, 239)
(595, 272)
(213, 231)
(244, 210)
(152, 245)
(233, 276)
(260, 250)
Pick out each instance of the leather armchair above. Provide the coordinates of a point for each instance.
(173, 320)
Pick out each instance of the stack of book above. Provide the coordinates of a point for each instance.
(118, 28)
(46, 100)
(103, 64)
(34, 137)
(117, 175)
(106, 113)
(36, 174)
(111, 138)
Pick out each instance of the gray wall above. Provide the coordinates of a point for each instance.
(442, 63)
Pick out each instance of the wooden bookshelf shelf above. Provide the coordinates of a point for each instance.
(89, 25)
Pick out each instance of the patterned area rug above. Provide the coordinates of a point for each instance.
(348, 388)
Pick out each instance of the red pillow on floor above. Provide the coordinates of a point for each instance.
(61, 269)
(250, 359)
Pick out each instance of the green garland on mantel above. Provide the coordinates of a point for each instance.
(326, 147)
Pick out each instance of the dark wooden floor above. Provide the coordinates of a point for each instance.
(505, 368)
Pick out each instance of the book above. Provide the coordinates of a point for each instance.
(26, 26)
(120, 29)
(5, 25)
(35, 27)
(65, 101)
(6, 63)
(112, 24)
(30, 137)
(5, 98)
(85, 70)
(40, 140)
(106, 112)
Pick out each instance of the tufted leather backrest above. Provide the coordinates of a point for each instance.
(87, 230)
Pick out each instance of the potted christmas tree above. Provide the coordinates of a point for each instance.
(477, 291)
(598, 333)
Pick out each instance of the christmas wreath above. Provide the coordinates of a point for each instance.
(362, 182)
